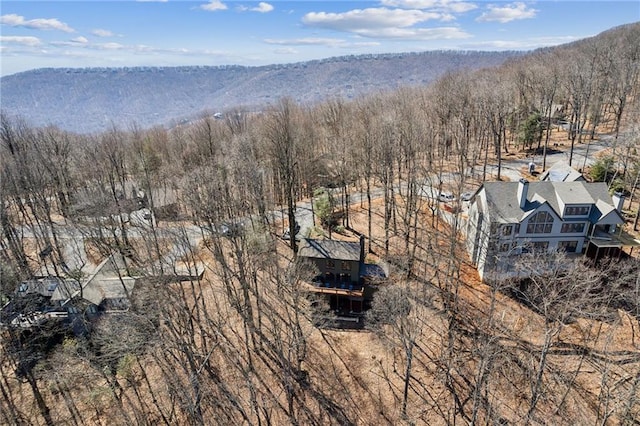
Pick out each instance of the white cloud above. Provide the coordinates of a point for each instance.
(213, 5)
(386, 23)
(310, 41)
(14, 20)
(263, 7)
(109, 46)
(524, 44)
(102, 33)
(77, 42)
(441, 33)
(443, 5)
(21, 40)
(288, 44)
(286, 51)
(508, 13)
(358, 20)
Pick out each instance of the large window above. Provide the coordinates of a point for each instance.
(536, 247)
(507, 230)
(540, 223)
(576, 211)
(568, 246)
(540, 246)
(572, 228)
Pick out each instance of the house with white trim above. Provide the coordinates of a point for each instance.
(506, 219)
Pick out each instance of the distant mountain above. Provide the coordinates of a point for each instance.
(94, 99)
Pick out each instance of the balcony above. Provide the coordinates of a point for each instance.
(341, 285)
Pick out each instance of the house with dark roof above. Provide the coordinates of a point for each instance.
(40, 300)
(107, 290)
(343, 277)
(506, 219)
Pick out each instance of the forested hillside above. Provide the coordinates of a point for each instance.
(89, 100)
(219, 328)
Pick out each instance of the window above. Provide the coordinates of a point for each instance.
(507, 230)
(346, 266)
(576, 211)
(572, 228)
(540, 246)
(505, 247)
(535, 247)
(568, 246)
(540, 223)
(331, 264)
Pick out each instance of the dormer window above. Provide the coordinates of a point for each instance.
(572, 228)
(540, 223)
(576, 210)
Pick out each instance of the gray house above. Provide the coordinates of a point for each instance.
(343, 277)
(337, 261)
(510, 218)
(562, 172)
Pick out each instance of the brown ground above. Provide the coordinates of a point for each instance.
(364, 373)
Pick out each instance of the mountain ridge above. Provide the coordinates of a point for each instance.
(89, 100)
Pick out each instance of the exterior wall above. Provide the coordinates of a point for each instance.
(492, 246)
(478, 236)
(338, 267)
(556, 236)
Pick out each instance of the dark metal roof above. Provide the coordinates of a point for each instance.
(329, 249)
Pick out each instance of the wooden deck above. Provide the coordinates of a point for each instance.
(340, 289)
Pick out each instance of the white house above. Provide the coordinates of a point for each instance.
(510, 218)
(561, 171)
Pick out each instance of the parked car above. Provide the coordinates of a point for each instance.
(466, 196)
(446, 197)
(286, 235)
(231, 229)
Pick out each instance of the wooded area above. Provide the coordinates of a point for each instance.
(245, 344)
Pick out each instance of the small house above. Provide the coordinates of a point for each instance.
(343, 277)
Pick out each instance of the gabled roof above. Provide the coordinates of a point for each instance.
(503, 204)
(65, 290)
(109, 281)
(102, 289)
(329, 249)
(561, 172)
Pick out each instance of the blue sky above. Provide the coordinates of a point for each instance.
(49, 33)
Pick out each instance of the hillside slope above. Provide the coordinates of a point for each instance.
(90, 100)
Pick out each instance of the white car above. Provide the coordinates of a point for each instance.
(466, 196)
(446, 197)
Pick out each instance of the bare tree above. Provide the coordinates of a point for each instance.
(284, 148)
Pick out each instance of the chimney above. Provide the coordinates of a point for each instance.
(523, 188)
(618, 200)
(362, 252)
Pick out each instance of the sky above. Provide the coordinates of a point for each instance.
(128, 33)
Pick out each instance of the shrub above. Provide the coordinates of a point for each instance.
(602, 170)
